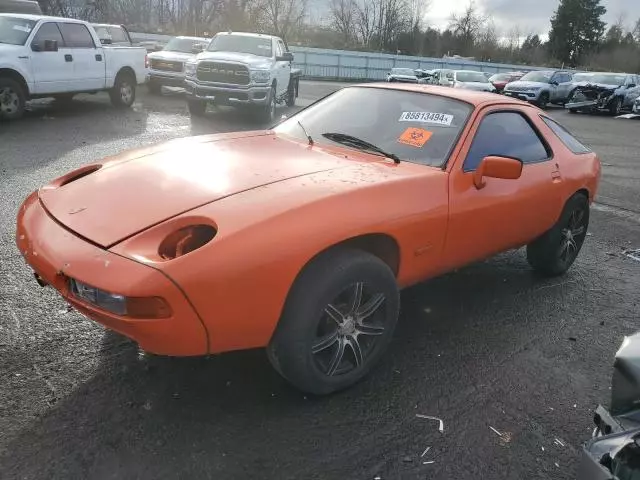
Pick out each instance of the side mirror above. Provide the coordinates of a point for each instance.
(554, 83)
(50, 45)
(286, 57)
(497, 167)
(631, 85)
(106, 41)
(197, 48)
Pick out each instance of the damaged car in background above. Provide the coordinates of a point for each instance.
(602, 91)
(614, 451)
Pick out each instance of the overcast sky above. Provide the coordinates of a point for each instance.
(532, 16)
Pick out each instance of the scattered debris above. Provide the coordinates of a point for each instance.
(406, 459)
(377, 477)
(228, 383)
(495, 431)
(556, 464)
(147, 405)
(573, 339)
(633, 254)
(397, 371)
(425, 451)
(558, 442)
(589, 234)
(441, 423)
(428, 462)
(542, 448)
(575, 405)
(602, 322)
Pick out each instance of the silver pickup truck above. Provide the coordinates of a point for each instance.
(242, 70)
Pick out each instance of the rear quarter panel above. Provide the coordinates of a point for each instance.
(118, 57)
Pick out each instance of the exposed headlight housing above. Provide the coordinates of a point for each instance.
(185, 240)
(190, 69)
(133, 307)
(260, 76)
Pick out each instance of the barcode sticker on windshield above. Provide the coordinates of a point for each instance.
(427, 117)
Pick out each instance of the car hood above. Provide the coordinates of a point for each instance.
(407, 77)
(7, 50)
(527, 84)
(168, 55)
(596, 86)
(477, 86)
(254, 61)
(142, 188)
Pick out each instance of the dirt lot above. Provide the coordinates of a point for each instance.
(488, 346)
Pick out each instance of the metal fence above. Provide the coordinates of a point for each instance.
(346, 65)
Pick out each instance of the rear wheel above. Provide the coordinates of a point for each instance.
(337, 322)
(197, 108)
(12, 99)
(554, 252)
(123, 93)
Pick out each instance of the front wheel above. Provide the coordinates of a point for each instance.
(543, 100)
(268, 111)
(554, 252)
(616, 106)
(337, 322)
(12, 99)
(292, 93)
(123, 93)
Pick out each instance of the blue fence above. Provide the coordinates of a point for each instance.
(346, 65)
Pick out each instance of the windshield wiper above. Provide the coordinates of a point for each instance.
(360, 144)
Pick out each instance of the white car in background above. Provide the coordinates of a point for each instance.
(166, 67)
(472, 80)
(405, 75)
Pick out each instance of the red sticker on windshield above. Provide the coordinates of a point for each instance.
(416, 137)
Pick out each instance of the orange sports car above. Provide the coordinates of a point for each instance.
(299, 238)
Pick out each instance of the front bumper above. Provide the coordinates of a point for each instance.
(56, 255)
(168, 79)
(526, 96)
(226, 94)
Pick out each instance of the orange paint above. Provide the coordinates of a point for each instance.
(275, 203)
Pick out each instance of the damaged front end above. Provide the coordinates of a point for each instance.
(614, 451)
(592, 97)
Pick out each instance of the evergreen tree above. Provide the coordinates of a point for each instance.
(576, 29)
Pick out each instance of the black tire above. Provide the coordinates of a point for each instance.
(154, 88)
(197, 108)
(123, 93)
(12, 99)
(573, 110)
(305, 323)
(616, 107)
(292, 93)
(553, 253)
(268, 111)
(543, 101)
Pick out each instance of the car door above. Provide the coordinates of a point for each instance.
(632, 90)
(504, 214)
(87, 57)
(283, 68)
(564, 86)
(52, 70)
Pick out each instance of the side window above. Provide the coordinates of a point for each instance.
(118, 35)
(48, 31)
(278, 49)
(565, 136)
(283, 49)
(506, 134)
(76, 35)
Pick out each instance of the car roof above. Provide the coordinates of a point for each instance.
(35, 18)
(473, 97)
(192, 38)
(247, 34)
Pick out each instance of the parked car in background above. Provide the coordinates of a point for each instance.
(44, 56)
(20, 6)
(472, 80)
(500, 80)
(424, 76)
(442, 77)
(405, 75)
(541, 87)
(166, 67)
(603, 91)
(636, 106)
(152, 45)
(113, 34)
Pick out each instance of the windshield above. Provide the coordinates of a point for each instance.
(242, 44)
(14, 30)
(417, 127)
(468, 76)
(402, 71)
(606, 78)
(543, 77)
(182, 45)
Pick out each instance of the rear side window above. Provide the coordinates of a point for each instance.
(118, 35)
(505, 134)
(76, 35)
(563, 134)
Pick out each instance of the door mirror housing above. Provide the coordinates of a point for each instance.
(47, 46)
(631, 85)
(285, 57)
(497, 167)
(554, 83)
(106, 41)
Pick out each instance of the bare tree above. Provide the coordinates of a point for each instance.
(281, 17)
(466, 26)
(343, 15)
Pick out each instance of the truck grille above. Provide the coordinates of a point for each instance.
(166, 65)
(223, 73)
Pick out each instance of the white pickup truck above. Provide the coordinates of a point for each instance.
(242, 69)
(44, 56)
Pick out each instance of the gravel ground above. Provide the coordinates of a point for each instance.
(487, 346)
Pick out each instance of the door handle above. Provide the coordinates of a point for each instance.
(98, 57)
(68, 58)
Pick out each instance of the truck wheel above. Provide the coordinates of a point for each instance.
(337, 322)
(292, 93)
(197, 108)
(554, 252)
(12, 99)
(123, 93)
(268, 111)
(154, 88)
